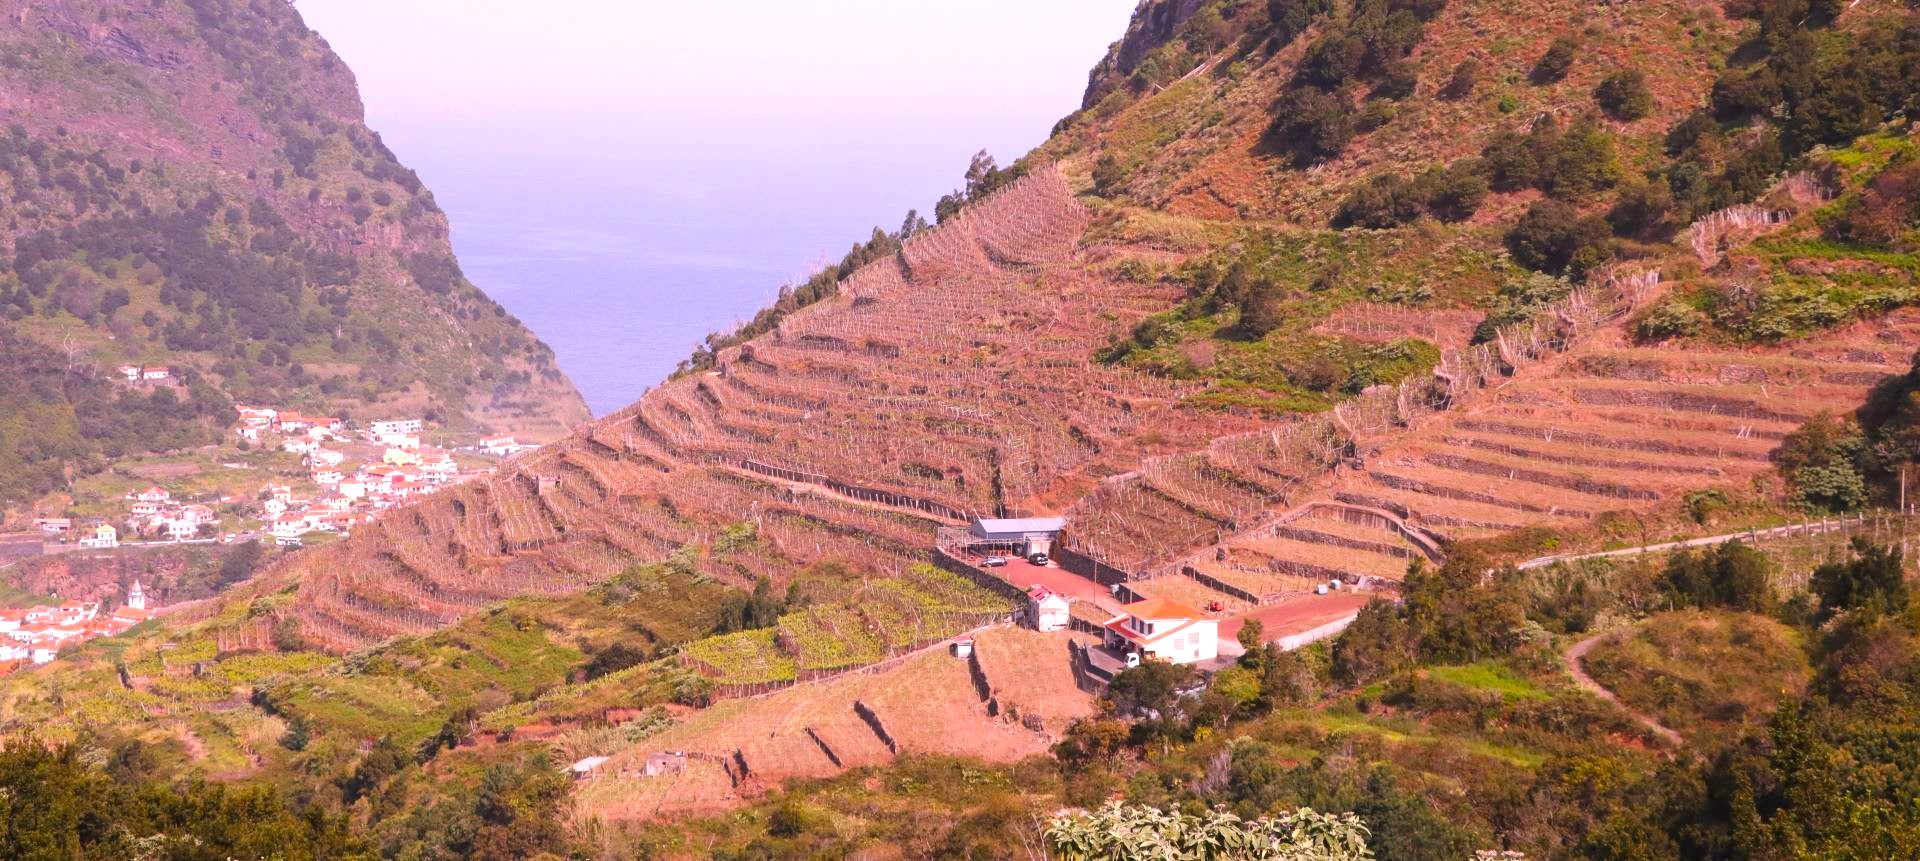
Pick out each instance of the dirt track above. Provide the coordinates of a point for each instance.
(1575, 666)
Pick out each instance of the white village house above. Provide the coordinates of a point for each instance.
(1166, 630)
(1047, 609)
(393, 427)
(103, 535)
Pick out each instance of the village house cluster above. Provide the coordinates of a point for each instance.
(157, 516)
(136, 374)
(1154, 629)
(348, 496)
(153, 515)
(37, 634)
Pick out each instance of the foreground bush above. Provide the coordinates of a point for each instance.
(1119, 831)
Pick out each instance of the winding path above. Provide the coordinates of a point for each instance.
(1576, 657)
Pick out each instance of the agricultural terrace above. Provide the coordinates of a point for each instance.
(881, 619)
(785, 427)
(237, 710)
(739, 748)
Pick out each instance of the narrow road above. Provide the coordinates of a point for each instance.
(1820, 528)
(1575, 658)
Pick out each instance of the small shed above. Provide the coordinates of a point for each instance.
(963, 647)
(1030, 534)
(665, 762)
(1048, 609)
(580, 770)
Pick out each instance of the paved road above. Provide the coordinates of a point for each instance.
(1576, 657)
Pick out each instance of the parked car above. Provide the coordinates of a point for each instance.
(1037, 558)
(995, 561)
(1133, 660)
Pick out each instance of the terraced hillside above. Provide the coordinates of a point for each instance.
(928, 703)
(1608, 427)
(950, 380)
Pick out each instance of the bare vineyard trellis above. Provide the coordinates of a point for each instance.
(1237, 481)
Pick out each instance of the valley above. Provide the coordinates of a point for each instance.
(1321, 369)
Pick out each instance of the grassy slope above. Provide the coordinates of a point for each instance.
(1700, 671)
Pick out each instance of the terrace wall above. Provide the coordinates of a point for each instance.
(872, 719)
(1217, 585)
(948, 562)
(1085, 565)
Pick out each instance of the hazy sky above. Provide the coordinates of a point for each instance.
(628, 176)
(752, 77)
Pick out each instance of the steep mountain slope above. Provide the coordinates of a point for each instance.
(976, 338)
(192, 185)
(976, 370)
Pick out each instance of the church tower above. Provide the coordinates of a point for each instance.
(136, 597)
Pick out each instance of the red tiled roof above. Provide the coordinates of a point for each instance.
(1118, 625)
(1162, 610)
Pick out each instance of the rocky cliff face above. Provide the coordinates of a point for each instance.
(192, 183)
(1154, 24)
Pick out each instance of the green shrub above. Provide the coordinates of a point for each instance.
(1311, 124)
(1822, 462)
(1555, 238)
(1553, 65)
(1109, 176)
(1730, 575)
(1641, 208)
(1390, 200)
(1460, 83)
(1624, 95)
(1519, 299)
(1669, 319)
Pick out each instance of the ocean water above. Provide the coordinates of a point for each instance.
(623, 265)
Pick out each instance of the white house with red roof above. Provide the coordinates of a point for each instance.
(197, 514)
(1164, 629)
(76, 612)
(437, 464)
(154, 373)
(288, 526)
(153, 493)
(180, 528)
(1047, 609)
(299, 445)
(146, 509)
